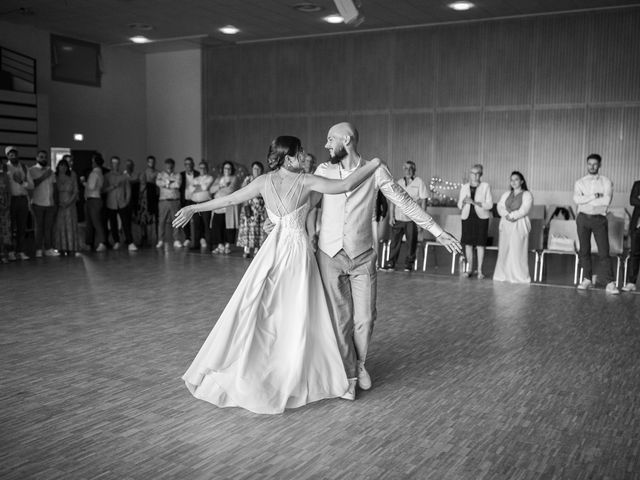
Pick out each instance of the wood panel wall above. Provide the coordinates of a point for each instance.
(535, 94)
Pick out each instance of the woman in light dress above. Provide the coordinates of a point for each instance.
(66, 226)
(513, 250)
(274, 347)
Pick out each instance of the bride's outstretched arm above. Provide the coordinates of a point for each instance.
(326, 185)
(247, 193)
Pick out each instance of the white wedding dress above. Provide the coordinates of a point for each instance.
(273, 347)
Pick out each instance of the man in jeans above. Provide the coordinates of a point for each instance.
(20, 184)
(43, 205)
(118, 190)
(592, 194)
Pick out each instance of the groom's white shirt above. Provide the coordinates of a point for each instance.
(347, 217)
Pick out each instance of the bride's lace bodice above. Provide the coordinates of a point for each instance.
(284, 205)
(295, 220)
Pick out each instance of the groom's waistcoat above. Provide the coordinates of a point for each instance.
(346, 217)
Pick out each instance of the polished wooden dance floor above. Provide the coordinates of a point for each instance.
(472, 380)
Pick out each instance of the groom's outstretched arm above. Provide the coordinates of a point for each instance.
(401, 199)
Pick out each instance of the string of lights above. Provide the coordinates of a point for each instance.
(442, 190)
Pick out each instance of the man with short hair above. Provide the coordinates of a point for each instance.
(186, 190)
(94, 229)
(401, 225)
(43, 205)
(634, 236)
(592, 194)
(346, 255)
(118, 190)
(20, 183)
(169, 183)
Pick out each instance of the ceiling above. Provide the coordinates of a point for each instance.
(183, 24)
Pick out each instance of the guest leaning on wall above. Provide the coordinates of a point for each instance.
(475, 221)
(513, 251)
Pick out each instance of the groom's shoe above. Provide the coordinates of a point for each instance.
(364, 379)
(350, 394)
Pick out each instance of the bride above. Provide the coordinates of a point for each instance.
(273, 346)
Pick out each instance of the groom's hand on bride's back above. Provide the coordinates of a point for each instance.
(267, 226)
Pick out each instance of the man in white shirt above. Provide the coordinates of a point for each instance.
(346, 255)
(401, 225)
(43, 204)
(592, 194)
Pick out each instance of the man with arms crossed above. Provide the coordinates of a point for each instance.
(592, 194)
(346, 257)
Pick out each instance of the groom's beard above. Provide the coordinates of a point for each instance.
(338, 155)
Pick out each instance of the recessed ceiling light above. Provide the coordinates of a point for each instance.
(307, 7)
(334, 19)
(139, 39)
(461, 6)
(78, 137)
(229, 30)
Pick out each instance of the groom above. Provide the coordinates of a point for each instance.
(346, 255)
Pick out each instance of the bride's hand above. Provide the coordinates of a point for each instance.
(182, 217)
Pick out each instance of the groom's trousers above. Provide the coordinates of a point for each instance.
(350, 287)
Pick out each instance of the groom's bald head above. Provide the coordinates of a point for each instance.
(346, 132)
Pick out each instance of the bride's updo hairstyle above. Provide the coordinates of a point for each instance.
(280, 148)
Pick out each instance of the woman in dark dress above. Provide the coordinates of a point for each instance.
(475, 203)
(147, 213)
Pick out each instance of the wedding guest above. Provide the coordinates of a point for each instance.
(5, 207)
(475, 221)
(593, 194)
(147, 212)
(200, 193)
(403, 226)
(634, 236)
(118, 190)
(94, 205)
(21, 184)
(169, 202)
(43, 205)
(66, 227)
(513, 251)
(308, 163)
(225, 220)
(251, 234)
(187, 177)
(134, 183)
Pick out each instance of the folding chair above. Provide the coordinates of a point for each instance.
(453, 225)
(563, 240)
